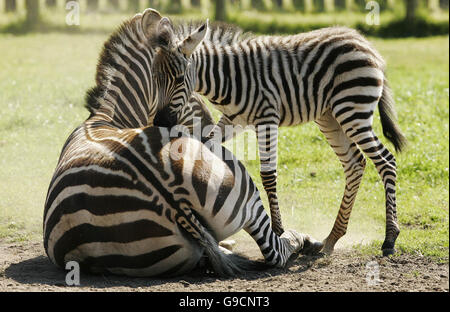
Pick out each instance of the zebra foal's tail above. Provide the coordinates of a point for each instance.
(388, 116)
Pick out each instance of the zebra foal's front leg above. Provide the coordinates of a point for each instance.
(267, 136)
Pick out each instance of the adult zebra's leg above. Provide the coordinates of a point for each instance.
(267, 136)
(353, 163)
(358, 126)
(276, 249)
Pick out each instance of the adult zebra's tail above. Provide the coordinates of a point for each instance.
(389, 123)
(222, 263)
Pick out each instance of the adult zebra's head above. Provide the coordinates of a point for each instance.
(173, 72)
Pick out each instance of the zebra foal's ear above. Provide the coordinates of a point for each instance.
(150, 21)
(188, 46)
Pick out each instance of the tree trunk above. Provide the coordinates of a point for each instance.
(288, 5)
(299, 5)
(319, 5)
(329, 5)
(258, 4)
(50, 3)
(433, 5)
(114, 4)
(32, 8)
(340, 5)
(411, 8)
(154, 4)
(220, 11)
(186, 4)
(391, 4)
(133, 6)
(174, 6)
(10, 5)
(350, 5)
(279, 4)
(92, 5)
(443, 4)
(309, 6)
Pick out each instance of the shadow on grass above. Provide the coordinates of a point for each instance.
(40, 271)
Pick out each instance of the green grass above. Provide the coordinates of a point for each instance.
(43, 79)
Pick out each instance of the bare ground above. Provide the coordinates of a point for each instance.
(24, 267)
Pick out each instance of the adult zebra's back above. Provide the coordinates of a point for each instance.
(139, 200)
(332, 76)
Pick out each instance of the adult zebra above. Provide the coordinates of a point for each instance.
(331, 76)
(125, 199)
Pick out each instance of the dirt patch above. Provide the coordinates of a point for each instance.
(24, 267)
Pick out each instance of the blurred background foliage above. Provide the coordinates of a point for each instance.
(398, 18)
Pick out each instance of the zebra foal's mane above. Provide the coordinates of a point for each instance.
(219, 32)
(223, 34)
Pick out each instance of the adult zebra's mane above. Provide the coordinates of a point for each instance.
(114, 62)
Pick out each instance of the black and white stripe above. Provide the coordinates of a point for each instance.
(331, 76)
(124, 200)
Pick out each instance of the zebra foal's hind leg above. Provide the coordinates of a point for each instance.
(353, 163)
(358, 126)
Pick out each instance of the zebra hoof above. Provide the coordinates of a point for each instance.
(311, 247)
(388, 252)
(388, 248)
(294, 240)
(328, 247)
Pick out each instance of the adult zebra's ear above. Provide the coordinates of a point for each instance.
(188, 46)
(150, 22)
(165, 34)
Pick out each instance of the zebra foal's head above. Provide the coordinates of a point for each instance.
(173, 73)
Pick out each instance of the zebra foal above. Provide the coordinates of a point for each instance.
(332, 76)
(132, 199)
